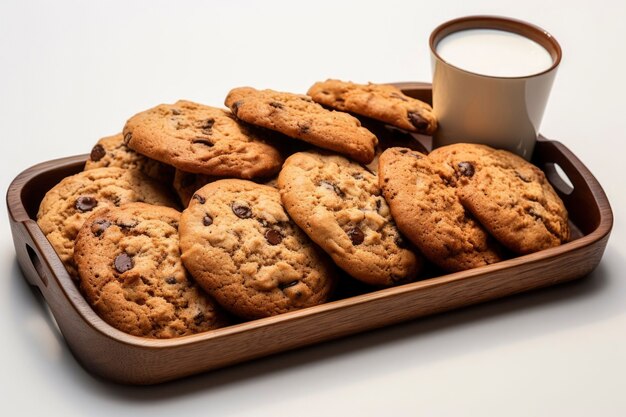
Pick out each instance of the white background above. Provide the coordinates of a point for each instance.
(72, 72)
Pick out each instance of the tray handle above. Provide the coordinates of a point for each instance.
(584, 186)
(33, 259)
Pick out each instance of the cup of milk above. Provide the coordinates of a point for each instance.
(491, 81)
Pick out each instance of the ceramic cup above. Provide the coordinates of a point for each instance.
(500, 111)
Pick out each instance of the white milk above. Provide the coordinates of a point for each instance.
(495, 53)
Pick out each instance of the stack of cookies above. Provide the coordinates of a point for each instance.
(280, 193)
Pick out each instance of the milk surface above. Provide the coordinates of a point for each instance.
(494, 53)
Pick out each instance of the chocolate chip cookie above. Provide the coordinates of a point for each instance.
(202, 140)
(428, 212)
(128, 260)
(382, 102)
(511, 197)
(297, 116)
(242, 248)
(111, 151)
(68, 204)
(338, 203)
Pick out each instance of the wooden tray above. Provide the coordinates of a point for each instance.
(120, 357)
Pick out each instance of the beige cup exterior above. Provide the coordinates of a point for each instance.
(502, 112)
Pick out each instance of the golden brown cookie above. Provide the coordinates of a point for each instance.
(202, 140)
(128, 259)
(338, 203)
(111, 151)
(68, 204)
(428, 212)
(242, 248)
(510, 196)
(382, 102)
(297, 116)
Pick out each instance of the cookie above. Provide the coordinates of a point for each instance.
(128, 260)
(202, 140)
(186, 184)
(242, 248)
(510, 196)
(338, 203)
(382, 102)
(428, 212)
(111, 151)
(297, 116)
(68, 204)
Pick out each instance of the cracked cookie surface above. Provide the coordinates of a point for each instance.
(128, 259)
(242, 248)
(299, 117)
(428, 212)
(111, 151)
(510, 196)
(68, 204)
(338, 203)
(201, 139)
(382, 102)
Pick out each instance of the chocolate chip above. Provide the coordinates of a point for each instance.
(123, 262)
(199, 318)
(304, 128)
(99, 226)
(241, 210)
(289, 284)
(207, 125)
(127, 137)
(357, 176)
(332, 186)
(203, 141)
(235, 106)
(418, 121)
(466, 168)
(273, 237)
(97, 153)
(276, 104)
(171, 280)
(85, 203)
(207, 220)
(199, 198)
(403, 151)
(378, 204)
(356, 235)
(176, 112)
